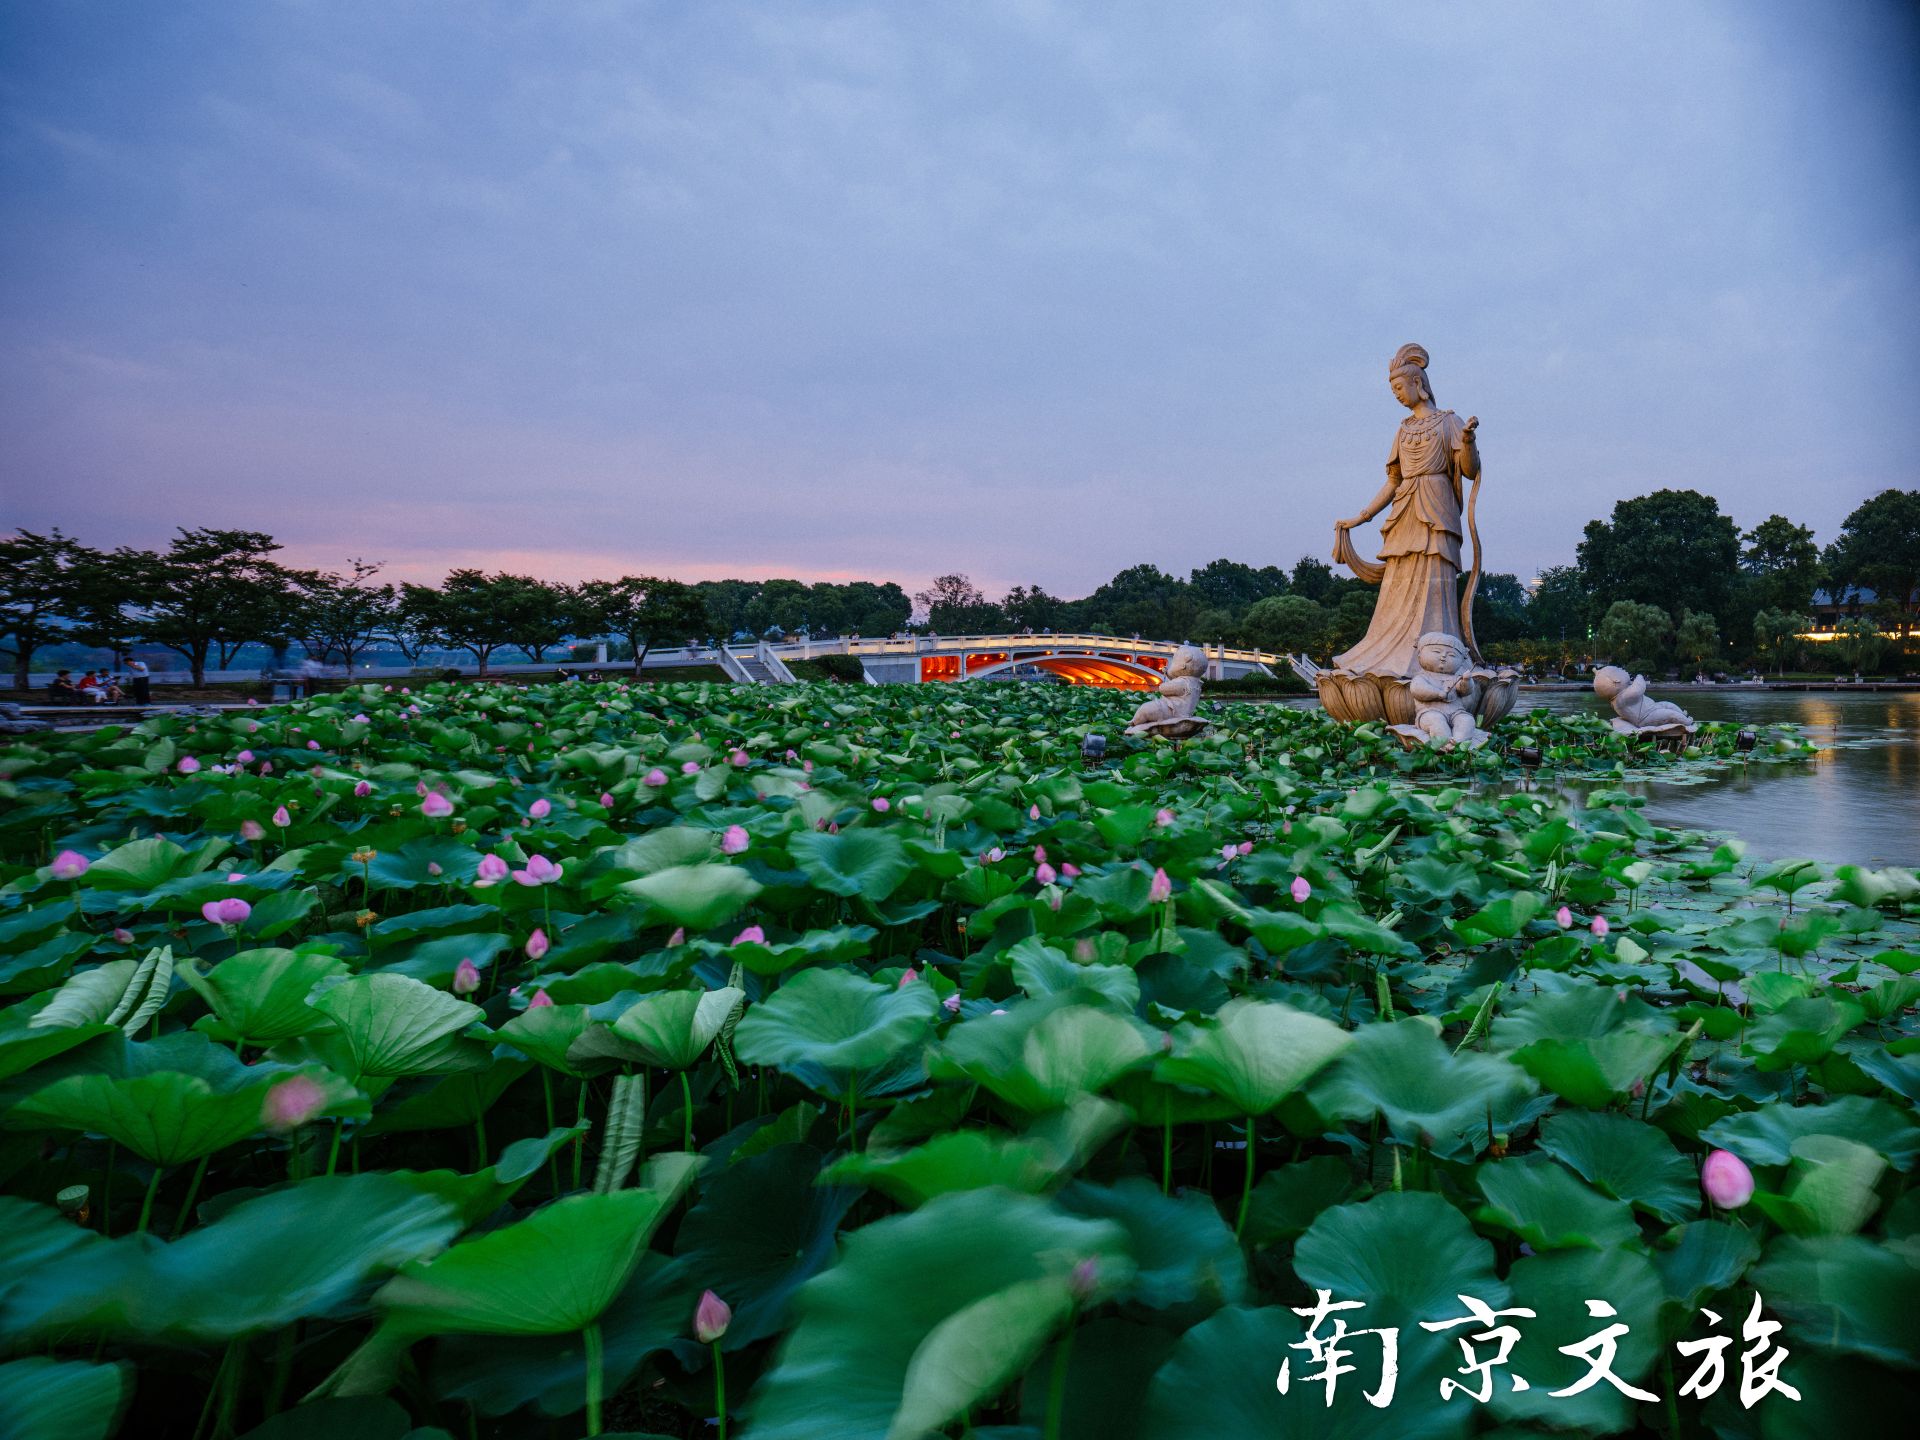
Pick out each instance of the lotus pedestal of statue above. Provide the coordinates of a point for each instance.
(1170, 714)
(1396, 674)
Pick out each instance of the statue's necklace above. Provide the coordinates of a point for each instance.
(1420, 426)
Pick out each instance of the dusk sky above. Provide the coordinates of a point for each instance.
(1031, 291)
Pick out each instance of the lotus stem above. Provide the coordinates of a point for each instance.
(193, 1194)
(1166, 1152)
(146, 1205)
(580, 1127)
(1246, 1179)
(591, 1337)
(686, 1100)
(333, 1151)
(546, 1094)
(1057, 1385)
(720, 1390)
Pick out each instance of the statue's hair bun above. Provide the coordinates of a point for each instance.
(1408, 356)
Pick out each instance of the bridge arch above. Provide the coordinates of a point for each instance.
(1080, 668)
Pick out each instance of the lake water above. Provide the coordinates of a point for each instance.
(1858, 801)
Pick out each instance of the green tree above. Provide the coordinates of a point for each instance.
(1633, 635)
(1776, 633)
(1673, 549)
(1312, 578)
(956, 606)
(1557, 609)
(209, 593)
(645, 611)
(1878, 548)
(726, 603)
(413, 625)
(1142, 600)
(1028, 607)
(781, 605)
(871, 609)
(1499, 610)
(1697, 640)
(1351, 614)
(340, 616)
(41, 580)
(1782, 564)
(1859, 643)
(1286, 624)
(476, 612)
(1231, 586)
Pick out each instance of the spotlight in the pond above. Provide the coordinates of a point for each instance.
(1529, 756)
(1093, 749)
(1745, 741)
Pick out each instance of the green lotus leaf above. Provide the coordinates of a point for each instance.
(1831, 1190)
(546, 1034)
(861, 1326)
(413, 864)
(1707, 1256)
(1501, 920)
(1766, 1136)
(1287, 1200)
(1044, 1052)
(89, 997)
(143, 864)
(1041, 970)
(1847, 1295)
(696, 896)
(1625, 1158)
(1183, 1251)
(1426, 1095)
(672, 1028)
(1556, 1288)
(555, 1271)
(1547, 1206)
(1033, 1162)
(394, 1025)
(263, 1264)
(1801, 1031)
(857, 861)
(835, 1019)
(1256, 1056)
(47, 1399)
(259, 997)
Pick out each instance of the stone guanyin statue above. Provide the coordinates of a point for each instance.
(1418, 571)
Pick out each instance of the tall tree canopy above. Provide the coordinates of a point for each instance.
(1672, 548)
(1879, 548)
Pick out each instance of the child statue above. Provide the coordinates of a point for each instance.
(1446, 691)
(1634, 713)
(1172, 714)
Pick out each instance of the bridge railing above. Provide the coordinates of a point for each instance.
(1058, 640)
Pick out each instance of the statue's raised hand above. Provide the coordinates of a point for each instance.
(1466, 431)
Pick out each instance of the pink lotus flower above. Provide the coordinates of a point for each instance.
(361, 720)
(711, 1317)
(282, 818)
(234, 877)
(1039, 854)
(491, 872)
(1245, 847)
(1085, 952)
(679, 937)
(739, 757)
(752, 935)
(537, 945)
(1726, 1180)
(735, 840)
(1599, 925)
(655, 776)
(123, 935)
(245, 757)
(688, 767)
(994, 856)
(231, 911)
(252, 830)
(1033, 812)
(187, 765)
(1163, 817)
(1161, 890)
(420, 788)
(907, 977)
(540, 998)
(362, 789)
(1563, 917)
(1228, 852)
(951, 1004)
(539, 871)
(1045, 874)
(1300, 889)
(540, 809)
(292, 1103)
(882, 804)
(433, 869)
(266, 767)
(69, 865)
(313, 744)
(1070, 870)
(436, 806)
(606, 800)
(466, 977)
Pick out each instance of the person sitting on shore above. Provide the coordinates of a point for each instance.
(110, 691)
(61, 689)
(90, 688)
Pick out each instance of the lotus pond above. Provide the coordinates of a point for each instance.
(822, 1064)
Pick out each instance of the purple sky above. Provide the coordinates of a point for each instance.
(1031, 291)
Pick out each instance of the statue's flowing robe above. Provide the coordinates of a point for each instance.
(1419, 573)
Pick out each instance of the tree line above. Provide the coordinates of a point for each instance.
(1666, 580)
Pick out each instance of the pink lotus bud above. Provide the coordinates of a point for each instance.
(1163, 817)
(1053, 900)
(436, 806)
(711, 1317)
(466, 977)
(689, 768)
(951, 1004)
(361, 720)
(833, 827)
(281, 818)
(882, 804)
(606, 800)
(1045, 874)
(69, 865)
(995, 855)
(1070, 870)
(1563, 917)
(540, 809)
(735, 840)
(234, 877)
(266, 767)
(292, 1103)
(739, 757)
(1085, 951)
(1245, 847)
(492, 870)
(1086, 1279)
(539, 871)
(679, 937)
(245, 757)
(123, 935)
(1599, 926)
(420, 788)
(540, 999)
(1161, 889)
(752, 935)
(252, 830)
(433, 869)
(1726, 1180)
(907, 977)
(313, 744)
(1227, 852)
(537, 945)
(362, 788)
(1039, 854)
(1033, 812)
(1300, 889)
(655, 776)
(231, 911)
